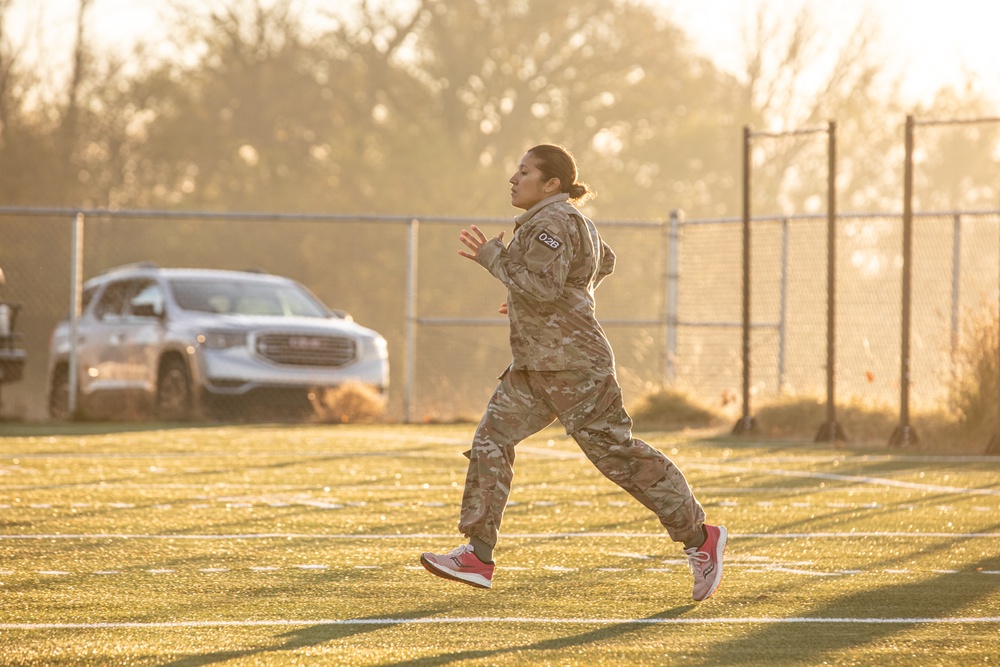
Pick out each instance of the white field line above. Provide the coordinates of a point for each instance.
(856, 479)
(598, 485)
(741, 620)
(465, 442)
(514, 536)
(550, 453)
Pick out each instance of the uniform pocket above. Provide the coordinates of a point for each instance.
(649, 474)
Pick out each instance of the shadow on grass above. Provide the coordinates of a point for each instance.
(600, 634)
(299, 638)
(81, 428)
(803, 643)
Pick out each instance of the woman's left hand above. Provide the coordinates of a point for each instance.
(474, 241)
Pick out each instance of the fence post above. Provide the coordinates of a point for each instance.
(783, 307)
(831, 431)
(746, 423)
(904, 436)
(673, 291)
(956, 288)
(412, 249)
(75, 307)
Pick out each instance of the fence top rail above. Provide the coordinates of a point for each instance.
(806, 217)
(956, 121)
(136, 214)
(790, 133)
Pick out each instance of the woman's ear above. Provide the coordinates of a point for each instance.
(553, 185)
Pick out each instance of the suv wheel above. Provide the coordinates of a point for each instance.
(173, 391)
(59, 394)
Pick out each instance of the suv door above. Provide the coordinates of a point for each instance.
(143, 335)
(103, 362)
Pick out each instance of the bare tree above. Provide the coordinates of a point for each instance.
(796, 78)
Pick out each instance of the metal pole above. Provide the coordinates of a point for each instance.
(956, 288)
(831, 281)
(673, 290)
(903, 435)
(75, 308)
(783, 306)
(409, 399)
(993, 446)
(746, 421)
(831, 431)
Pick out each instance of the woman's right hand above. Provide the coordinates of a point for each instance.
(474, 241)
(503, 308)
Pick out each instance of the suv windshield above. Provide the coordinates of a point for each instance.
(250, 297)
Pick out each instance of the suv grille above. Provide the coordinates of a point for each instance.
(306, 350)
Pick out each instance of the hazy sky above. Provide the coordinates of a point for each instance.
(930, 43)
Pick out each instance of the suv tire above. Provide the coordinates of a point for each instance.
(174, 400)
(59, 394)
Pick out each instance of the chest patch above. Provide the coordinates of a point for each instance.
(549, 241)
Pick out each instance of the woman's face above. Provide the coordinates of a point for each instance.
(528, 185)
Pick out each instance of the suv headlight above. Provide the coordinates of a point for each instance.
(221, 340)
(381, 347)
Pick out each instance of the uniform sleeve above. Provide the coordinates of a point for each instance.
(607, 266)
(540, 268)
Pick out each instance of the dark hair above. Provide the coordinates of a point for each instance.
(557, 162)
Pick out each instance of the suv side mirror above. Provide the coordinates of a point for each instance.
(146, 310)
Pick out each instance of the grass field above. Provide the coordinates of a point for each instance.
(274, 545)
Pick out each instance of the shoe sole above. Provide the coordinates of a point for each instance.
(720, 550)
(475, 580)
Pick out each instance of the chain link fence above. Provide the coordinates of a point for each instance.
(673, 313)
(955, 272)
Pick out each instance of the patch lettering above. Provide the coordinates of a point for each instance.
(550, 241)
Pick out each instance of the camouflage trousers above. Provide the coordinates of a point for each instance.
(589, 405)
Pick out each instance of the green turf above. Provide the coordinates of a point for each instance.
(298, 546)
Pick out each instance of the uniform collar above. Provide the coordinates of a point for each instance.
(527, 215)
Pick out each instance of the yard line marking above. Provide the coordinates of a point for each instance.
(516, 536)
(742, 620)
(757, 569)
(881, 481)
(99, 485)
(667, 565)
(858, 479)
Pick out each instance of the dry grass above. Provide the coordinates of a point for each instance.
(349, 403)
(670, 409)
(800, 418)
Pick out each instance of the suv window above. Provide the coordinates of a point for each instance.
(148, 300)
(245, 297)
(138, 297)
(112, 303)
(85, 299)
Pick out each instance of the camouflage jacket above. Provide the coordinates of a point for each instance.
(554, 262)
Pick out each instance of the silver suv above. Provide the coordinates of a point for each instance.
(180, 344)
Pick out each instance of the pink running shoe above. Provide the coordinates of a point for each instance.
(460, 564)
(706, 562)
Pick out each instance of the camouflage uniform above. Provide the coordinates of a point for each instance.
(562, 367)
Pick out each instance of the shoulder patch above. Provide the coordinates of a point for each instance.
(549, 240)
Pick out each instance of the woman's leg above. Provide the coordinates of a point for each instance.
(594, 416)
(514, 412)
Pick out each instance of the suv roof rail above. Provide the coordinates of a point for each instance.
(133, 265)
